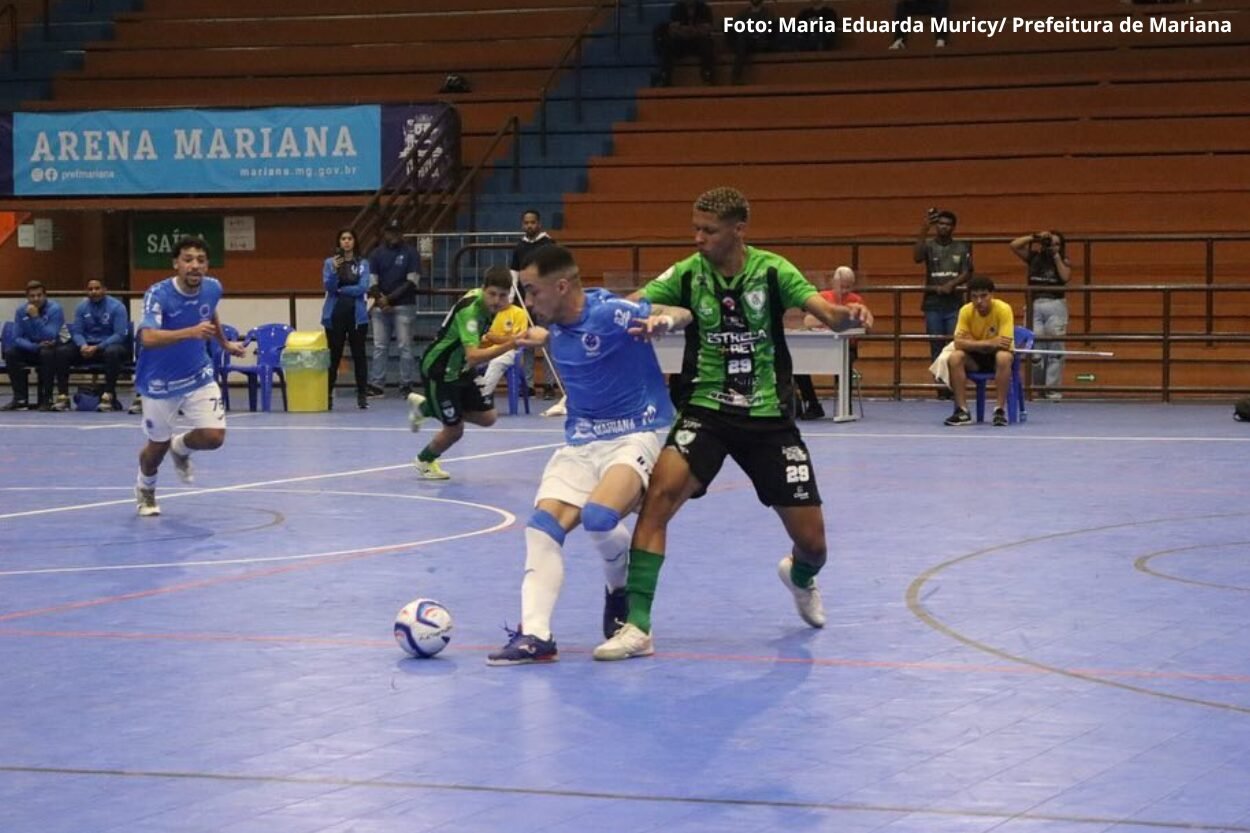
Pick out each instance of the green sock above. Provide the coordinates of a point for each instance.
(427, 408)
(427, 456)
(802, 573)
(644, 574)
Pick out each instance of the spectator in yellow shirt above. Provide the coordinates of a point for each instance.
(984, 341)
(507, 324)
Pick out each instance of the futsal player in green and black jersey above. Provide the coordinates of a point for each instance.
(735, 394)
(448, 365)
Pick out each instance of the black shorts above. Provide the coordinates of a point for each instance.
(450, 401)
(983, 362)
(769, 450)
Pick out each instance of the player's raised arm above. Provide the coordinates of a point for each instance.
(661, 320)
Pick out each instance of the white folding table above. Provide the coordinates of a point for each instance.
(811, 351)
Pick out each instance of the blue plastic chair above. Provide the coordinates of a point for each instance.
(517, 389)
(270, 340)
(1016, 411)
(7, 335)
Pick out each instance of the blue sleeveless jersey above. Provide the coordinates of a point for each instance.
(614, 382)
(177, 369)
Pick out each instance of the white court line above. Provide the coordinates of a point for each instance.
(998, 434)
(1017, 435)
(508, 520)
(278, 482)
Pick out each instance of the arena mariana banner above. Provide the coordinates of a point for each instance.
(245, 151)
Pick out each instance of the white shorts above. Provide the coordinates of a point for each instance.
(201, 408)
(574, 471)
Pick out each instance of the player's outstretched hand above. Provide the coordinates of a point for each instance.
(533, 337)
(651, 327)
(860, 313)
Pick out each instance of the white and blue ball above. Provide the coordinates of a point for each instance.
(423, 628)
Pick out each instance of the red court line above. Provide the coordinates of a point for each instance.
(826, 662)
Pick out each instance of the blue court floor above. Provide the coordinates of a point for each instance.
(1038, 629)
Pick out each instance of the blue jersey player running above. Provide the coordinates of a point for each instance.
(174, 372)
(616, 401)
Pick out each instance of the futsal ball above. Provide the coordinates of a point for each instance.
(423, 628)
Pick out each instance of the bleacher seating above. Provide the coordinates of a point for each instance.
(1095, 134)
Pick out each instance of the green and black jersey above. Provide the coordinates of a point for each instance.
(444, 360)
(736, 359)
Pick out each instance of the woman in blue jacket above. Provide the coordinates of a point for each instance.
(345, 277)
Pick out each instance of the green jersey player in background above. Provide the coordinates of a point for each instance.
(448, 366)
(736, 399)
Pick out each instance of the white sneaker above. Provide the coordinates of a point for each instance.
(106, 403)
(558, 409)
(628, 642)
(431, 470)
(806, 599)
(415, 417)
(899, 43)
(145, 502)
(182, 465)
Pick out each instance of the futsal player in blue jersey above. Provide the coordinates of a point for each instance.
(175, 373)
(616, 401)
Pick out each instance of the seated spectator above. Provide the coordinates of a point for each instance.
(744, 44)
(687, 32)
(41, 340)
(506, 326)
(100, 332)
(841, 292)
(821, 22)
(984, 343)
(905, 9)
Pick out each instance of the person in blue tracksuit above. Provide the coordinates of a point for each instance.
(40, 340)
(100, 334)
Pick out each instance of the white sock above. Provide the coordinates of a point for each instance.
(544, 575)
(613, 547)
(145, 482)
(179, 445)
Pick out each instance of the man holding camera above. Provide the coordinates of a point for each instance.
(1049, 271)
(948, 265)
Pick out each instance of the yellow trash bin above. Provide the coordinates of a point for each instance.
(306, 362)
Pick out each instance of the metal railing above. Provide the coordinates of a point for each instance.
(888, 303)
(511, 125)
(1166, 338)
(1207, 266)
(414, 187)
(573, 49)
